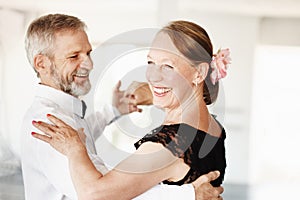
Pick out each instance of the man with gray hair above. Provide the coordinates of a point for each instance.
(58, 48)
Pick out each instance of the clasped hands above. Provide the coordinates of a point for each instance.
(127, 101)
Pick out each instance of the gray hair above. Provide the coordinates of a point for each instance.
(41, 32)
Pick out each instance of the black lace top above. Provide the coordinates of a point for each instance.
(201, 151)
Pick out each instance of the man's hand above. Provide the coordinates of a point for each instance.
(125, 103)
(141, 91)
(204, 190)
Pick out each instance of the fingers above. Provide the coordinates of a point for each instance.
(208, 177)
(217, 198)
(142, 92)
(133, 108)
(131, 88)
(126, 102)
(130, 99)
(212, 176)
(220, 189)
(56, 121)
(130, 103)
(203, 188)
(58, 129)
(130, 96)
(48, 129)
(217, 191)
(44, 138)
(117, 86)
(207, 191)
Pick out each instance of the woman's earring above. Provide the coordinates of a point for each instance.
(195, 83)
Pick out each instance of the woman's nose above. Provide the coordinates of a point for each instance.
(154, 73)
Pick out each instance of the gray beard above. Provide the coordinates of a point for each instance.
(70, 87)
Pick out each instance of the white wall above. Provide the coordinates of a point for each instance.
(17, 80)
(18, 76)
(274, 135)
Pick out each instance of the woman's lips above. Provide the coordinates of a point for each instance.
(161, 91)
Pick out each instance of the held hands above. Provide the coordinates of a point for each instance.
(136, 94)
(204, 190)
(61, 136)
(141, 91)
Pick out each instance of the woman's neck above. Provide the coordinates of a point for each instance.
(193, 112)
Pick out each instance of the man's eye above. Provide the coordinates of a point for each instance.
(151, 63)
(74, 56)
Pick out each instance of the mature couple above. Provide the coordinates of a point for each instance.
(182, 75)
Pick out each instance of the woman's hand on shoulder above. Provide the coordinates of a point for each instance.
(60, 136)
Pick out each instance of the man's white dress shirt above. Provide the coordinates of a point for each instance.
(46, 171)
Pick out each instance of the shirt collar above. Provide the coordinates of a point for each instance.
(64, 100)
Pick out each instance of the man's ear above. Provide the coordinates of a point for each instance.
(42, 63)
(201, 72)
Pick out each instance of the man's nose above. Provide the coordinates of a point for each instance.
(87, 63)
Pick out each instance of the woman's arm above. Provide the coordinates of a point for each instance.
(68, 142)
(119, 184)
(151, 164)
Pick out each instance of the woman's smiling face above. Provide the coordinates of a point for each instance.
(169, 73)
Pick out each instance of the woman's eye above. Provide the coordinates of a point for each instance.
(167, 67)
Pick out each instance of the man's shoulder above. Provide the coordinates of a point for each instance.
(41, 107)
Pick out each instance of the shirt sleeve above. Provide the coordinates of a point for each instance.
(171, 192)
